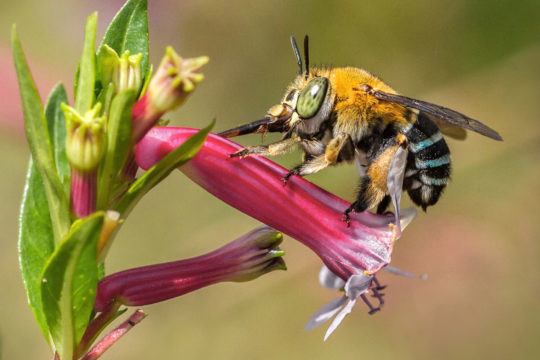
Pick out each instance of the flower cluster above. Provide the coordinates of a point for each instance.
(83, 184)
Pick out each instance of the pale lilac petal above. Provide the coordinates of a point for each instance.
(357, 285)
(330, 280)
(325, 313)
(399, 272)
(407, 216)
(395, 182)
(339, 318)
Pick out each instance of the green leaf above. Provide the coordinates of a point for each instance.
(69, 283)
(57, 130)
(129, 31)
(39, 142)
(36, 242)
(161, 170)
(118, 144)
(84, 98)
(147, 79)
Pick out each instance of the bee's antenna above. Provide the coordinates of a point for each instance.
(297, 54)
(306, 54)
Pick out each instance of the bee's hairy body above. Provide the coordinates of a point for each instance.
(373, 129)
(348, 114)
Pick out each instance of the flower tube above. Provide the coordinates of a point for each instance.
(300, 209)
(244, 259)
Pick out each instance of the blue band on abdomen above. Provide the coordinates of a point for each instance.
(421, 145)
(432, 163)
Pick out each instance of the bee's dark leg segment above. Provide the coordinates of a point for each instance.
(293, 171)
(361, 203)
(372, 309)
(383, 205)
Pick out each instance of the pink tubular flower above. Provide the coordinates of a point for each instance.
(300, 209)
(246, 258)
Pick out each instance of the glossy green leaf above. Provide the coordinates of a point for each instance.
(86, 74)
(69, 283)
(36, 242)
(118, 144)
(129, 31)
(57, 130)
(161, 170)
(37, 134)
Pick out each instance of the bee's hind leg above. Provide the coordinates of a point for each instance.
(383, 205)
(368, 196)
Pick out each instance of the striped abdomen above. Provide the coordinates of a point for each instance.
(428, 162)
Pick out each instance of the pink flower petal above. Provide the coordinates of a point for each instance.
(300, 209)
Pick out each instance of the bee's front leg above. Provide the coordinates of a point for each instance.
(277, 148)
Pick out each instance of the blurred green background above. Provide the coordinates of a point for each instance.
(478, 245)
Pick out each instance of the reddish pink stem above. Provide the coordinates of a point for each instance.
(114, 336)
(83, 192)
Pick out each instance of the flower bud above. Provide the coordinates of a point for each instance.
(244, 259)
(123, 71)
(173, 81)
(85, 139)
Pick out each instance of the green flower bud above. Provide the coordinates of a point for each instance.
(85, 140)
(174, 80)
(123, 71)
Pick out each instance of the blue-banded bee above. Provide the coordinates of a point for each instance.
(348, 114)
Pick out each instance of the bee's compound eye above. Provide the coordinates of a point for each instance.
(312, 97)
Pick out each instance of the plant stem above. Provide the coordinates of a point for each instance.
(114, 335)
(83, 192)
(95, 327)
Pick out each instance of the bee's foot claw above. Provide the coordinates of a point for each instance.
(239, 154)
(287, 177)
(374, 310)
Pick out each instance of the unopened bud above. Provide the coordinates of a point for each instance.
(85, 140)
(123, 71)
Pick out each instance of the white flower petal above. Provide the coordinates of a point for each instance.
(329, 280)
(407, 216)
(333, 326)
(357, 285)
(395, 182)
(325, 313)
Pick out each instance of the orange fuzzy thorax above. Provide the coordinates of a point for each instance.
(352, 102)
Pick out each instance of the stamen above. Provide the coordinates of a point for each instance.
(372, 310)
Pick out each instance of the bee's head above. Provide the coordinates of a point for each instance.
(306, 105)
(310, 100)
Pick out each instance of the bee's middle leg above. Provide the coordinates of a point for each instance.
(314, 164)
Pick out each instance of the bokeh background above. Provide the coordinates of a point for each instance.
(479, 245)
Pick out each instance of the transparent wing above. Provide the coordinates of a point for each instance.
(444, 114)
